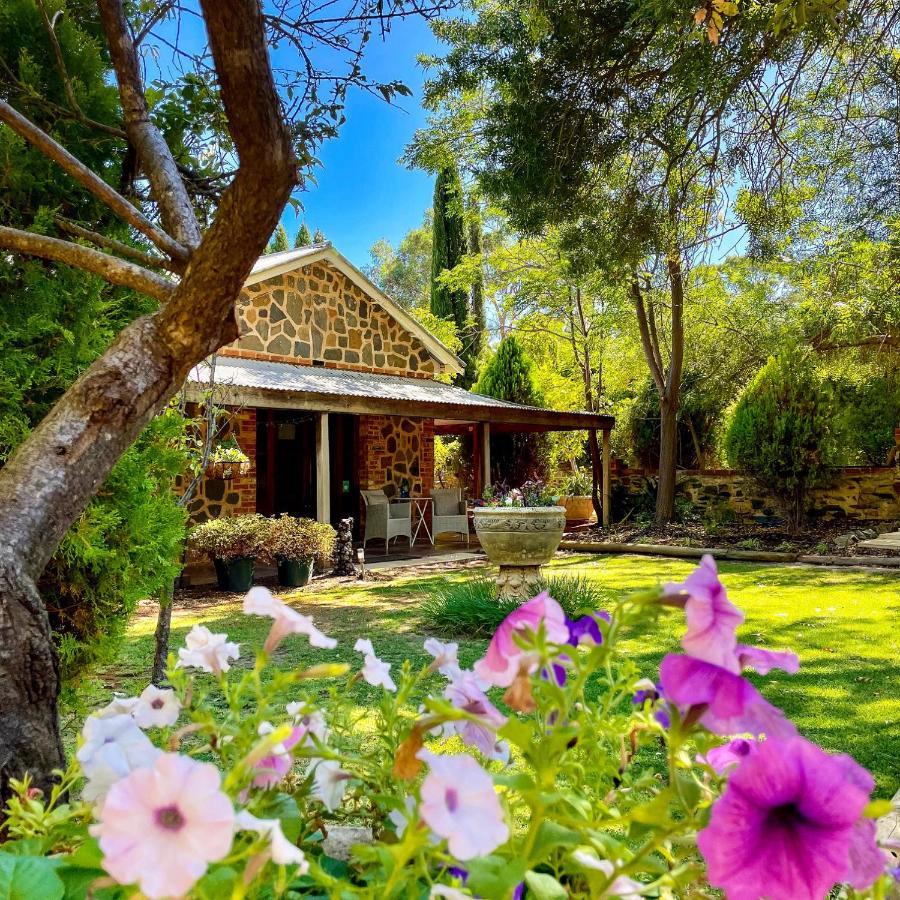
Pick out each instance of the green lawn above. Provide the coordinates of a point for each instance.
(842, 623)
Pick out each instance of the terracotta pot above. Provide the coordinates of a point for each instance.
(520, 536)
(578, 508)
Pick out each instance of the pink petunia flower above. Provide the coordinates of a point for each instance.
(459, 803)
(789, 825)
(763, 661)
(721, 759)
(162, 826)
(712, 619)
(260, 601)
(465, 692)
(504, 658)
(156, 707)
(207, 651)
(113, 747)
(272, 768)
(375, 671)
(727, 703)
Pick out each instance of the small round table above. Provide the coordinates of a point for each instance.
(419, 512)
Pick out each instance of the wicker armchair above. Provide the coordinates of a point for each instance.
(386, 520)
(449, 513)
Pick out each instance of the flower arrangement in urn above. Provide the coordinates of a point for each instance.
(593, 781)
(519, 529)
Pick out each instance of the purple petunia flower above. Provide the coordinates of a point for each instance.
(727, 704)
(466, 691)
(586, 630)
(789, 825)
(712, 618)
(720, 759)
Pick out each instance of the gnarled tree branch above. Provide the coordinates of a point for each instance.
(93, 182)
(175, 207)
(101, 240)
(114, 270)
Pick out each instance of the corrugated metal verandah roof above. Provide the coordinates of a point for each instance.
(278, 384)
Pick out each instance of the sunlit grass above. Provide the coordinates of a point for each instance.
(842, 624)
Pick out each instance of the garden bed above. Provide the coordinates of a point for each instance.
(835, 539)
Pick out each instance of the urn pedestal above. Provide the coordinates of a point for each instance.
(519, 539)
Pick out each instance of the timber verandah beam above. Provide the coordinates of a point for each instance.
(501, 418)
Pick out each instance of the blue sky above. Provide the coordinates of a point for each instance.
(363, 192)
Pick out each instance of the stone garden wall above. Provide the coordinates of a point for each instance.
(317, 314)
(859, 492)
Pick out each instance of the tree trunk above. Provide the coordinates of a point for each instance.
(49, 480)
(29, 683)
(163, 627)
(668, 459)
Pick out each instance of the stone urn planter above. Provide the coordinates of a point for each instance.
(519, 539)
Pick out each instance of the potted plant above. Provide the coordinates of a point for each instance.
(295, 545)
(576, 497)
(519, 529)
(228, 461)
(233, 544)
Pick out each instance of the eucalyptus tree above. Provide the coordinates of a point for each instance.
(198, 202)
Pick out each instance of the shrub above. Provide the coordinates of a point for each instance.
(126, 546)
(579, 484)
(868, 414)
(781, 432)
(472, 607)
(231, 537)
(291, 538)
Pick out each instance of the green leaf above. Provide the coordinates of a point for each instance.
(494, 876)
(517, 732)
(217, 883)
(29, 878)
(544, 887)
(552, 835)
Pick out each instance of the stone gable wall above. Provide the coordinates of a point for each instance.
(317, 314)
(857, 492)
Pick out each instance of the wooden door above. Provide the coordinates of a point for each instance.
(286, 463)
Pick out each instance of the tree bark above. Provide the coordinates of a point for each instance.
(668, 459)
(51, 477)
(163, 628)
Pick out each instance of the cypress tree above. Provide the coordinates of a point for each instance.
(303, 239)
(448, 247)
(515, 457)
(474, 336)
(319, 237)
(279, 240)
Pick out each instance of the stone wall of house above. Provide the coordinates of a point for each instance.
(317, 315)
(394, 448)
(857, 492)
(216, 497)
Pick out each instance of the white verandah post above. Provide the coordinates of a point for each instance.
(323, 470)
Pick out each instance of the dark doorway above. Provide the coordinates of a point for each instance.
(285, 463)
(342, 433)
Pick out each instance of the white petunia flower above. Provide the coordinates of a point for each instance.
(118, 706)
(156, 707)
(113, 747)
(329, 783)
(311, 720)
(207, 651)
(260, 601)
(375, 671)
(281, 850)
(445, 656)
(623, 887)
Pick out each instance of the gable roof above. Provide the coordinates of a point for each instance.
(273, 264)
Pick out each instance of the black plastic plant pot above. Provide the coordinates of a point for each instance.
(294, 572)
(235, 575)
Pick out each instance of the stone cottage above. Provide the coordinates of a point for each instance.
(332, 388)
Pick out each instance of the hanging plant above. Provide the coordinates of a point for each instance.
(228, 461)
